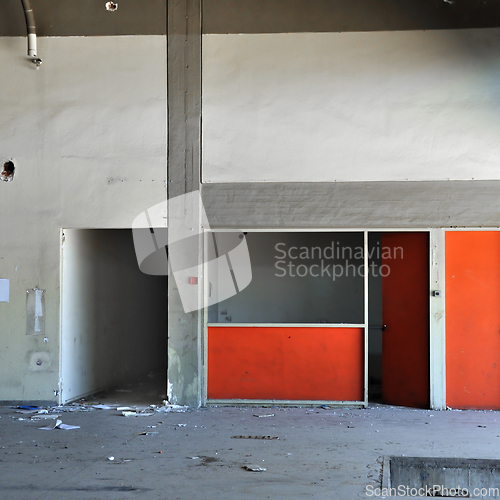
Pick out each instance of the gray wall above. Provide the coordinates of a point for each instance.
(344, 107)
(87, 133)
(114, 318)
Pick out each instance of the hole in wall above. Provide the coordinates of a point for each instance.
(111, 6)
(8, 169)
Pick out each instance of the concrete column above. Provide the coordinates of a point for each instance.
(184, 146)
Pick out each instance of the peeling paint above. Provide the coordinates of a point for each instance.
(35, 312)
(170, 396)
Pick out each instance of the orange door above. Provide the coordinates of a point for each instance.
(405, 309)
(473, 319)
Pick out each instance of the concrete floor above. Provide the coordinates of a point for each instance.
(321, 453)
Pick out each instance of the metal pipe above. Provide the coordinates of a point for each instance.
(30, 25)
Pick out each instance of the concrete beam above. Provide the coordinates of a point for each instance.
(365, 205)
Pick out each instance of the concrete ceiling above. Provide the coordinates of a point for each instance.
(85, 18)
(148, 17)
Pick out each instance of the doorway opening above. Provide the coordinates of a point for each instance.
(113, 318)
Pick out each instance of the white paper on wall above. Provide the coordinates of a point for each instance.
(4, 290)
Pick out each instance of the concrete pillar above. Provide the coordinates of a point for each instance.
(184, 145)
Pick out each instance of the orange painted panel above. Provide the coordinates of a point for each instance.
(405, 311)
(289, 363)
(473, 319)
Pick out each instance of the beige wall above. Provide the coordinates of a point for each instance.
(87, 135)
(372, 106)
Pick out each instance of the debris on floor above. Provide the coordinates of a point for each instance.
(313, 455)
(59, 425)
(27, 409)
(265, 416)
(253, 469)
(254, 437)
(45, 417)
(119, 461)
(137, 413)
(170, 407)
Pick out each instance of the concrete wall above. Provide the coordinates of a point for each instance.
(374, 106)
(114, 318)
(87, 135)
